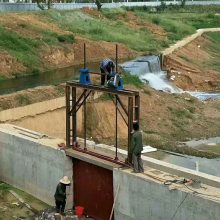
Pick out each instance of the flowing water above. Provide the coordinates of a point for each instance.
(148, 68)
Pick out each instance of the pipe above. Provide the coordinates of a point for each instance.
(116, 58)
(84, 48)
(116, 129)
(115, 199)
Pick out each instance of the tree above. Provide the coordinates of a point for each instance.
(44, 5)
(183, 3)
(98, 4)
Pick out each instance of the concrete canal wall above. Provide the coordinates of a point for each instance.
(139, 198)
(33, 163)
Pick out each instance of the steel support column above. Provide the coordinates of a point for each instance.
(84, 108)
(137, 109)
(130, 125)
(73, 113)
(67, 116)
(116, 128)
(132, 111)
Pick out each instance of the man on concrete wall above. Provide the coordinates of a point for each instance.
(137, 147)
(60, 194)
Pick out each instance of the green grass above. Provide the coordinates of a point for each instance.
(107, 30)
(24, 49)
(132, 80)
(68, 38)
(214, 49)
(177, 21)
(23, 100)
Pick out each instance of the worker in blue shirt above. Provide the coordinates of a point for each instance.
(107, 66)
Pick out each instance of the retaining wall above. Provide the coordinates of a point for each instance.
(33, 163)
(139, 198)
(70, 6)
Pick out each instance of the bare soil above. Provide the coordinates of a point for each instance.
(9, 65)
(166, 119)
(188, 65)
(53, 56)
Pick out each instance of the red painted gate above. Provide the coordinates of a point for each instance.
(93, 189)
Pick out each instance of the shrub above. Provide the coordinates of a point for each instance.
(23, 100)
(66, 38)
(156, 20)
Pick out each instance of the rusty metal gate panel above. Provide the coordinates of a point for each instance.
(93, 189)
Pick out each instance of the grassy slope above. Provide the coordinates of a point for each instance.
(214, 50)
(7, 201)
(108, 27)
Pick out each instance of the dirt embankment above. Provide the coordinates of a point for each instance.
(189, 66)
(30, 96)
(165, 119)
(52, 57)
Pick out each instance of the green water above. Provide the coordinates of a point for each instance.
(53, 77)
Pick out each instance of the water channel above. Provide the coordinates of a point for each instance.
(52, 77)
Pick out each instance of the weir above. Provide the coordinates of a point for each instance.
(148, 69)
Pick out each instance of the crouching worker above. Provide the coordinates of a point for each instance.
(60, 194)
(114, 81)
(107, 67)
(137, 147)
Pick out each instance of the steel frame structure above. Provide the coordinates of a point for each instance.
(74, 103)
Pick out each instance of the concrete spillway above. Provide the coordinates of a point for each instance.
(148, 69)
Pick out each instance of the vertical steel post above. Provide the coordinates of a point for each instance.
(74, 121)
(84, 49)
(84, 107)
(116, 128)
(161, 61)
(130, 125)
(137, 108)
(67, 116)
(116, 58)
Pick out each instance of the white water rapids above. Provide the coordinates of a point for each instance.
(148, 69)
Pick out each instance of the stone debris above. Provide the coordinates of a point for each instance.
(50, 214)
(15, 203)
(3, 208)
